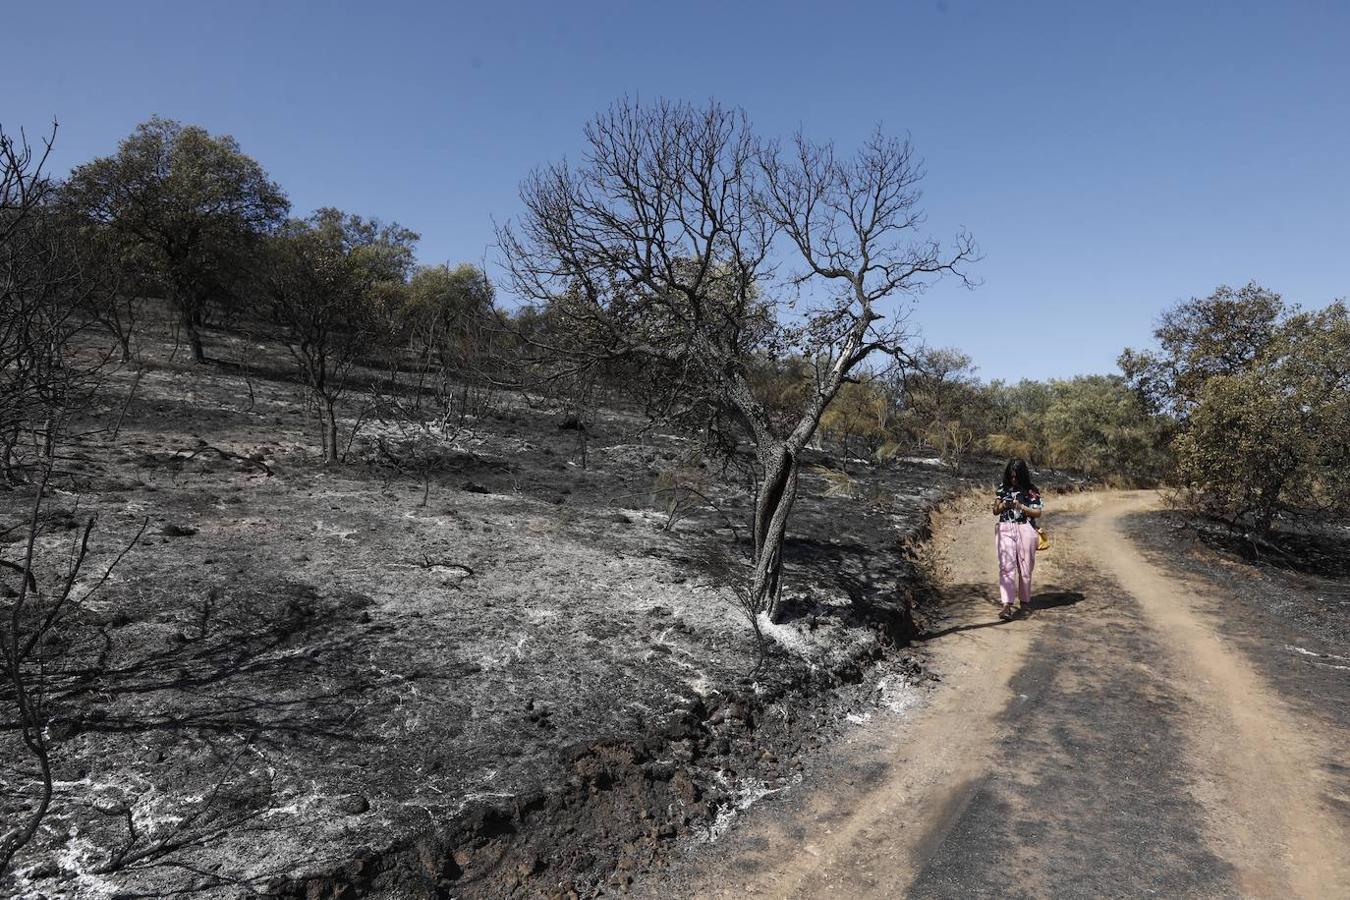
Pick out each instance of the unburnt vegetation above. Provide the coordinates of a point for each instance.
(1258, 396)
(326, 572)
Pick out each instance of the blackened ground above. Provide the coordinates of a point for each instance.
(1294, 626)
(468, 667)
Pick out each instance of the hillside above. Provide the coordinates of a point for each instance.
(508, 676)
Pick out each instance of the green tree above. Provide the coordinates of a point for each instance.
(448, 319)
(189, 206)
(1316, 353)
(1260, 392)
(328, 280)
(1272, 434)
(1222, 334)
(440, 300)
(941, 402)
(856, 419)
(1096, 425)
(1241, 447)
(1016, 423)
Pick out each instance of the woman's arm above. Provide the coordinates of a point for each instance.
(1031, 510)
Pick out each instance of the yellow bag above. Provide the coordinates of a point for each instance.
(1042, 540)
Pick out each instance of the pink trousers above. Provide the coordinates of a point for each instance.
(1016, 558)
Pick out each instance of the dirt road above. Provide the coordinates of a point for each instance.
(1114, 744)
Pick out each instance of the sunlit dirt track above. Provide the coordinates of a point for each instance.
(1114, 743)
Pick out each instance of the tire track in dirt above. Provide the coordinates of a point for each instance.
(1263, 783)
(1091, 794)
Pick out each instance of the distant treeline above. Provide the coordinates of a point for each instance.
(1243, 406)
(1094, 425)
(1244, 409)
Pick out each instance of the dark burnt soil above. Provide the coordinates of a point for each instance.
(493, 673)
(1292, 623)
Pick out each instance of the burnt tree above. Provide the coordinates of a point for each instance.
(688, 247)
(48, 381)
(324, 280)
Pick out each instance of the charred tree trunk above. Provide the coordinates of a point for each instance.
(777, 493)
(8, 441)
(330, 433)
(189, 314)
(194, 335)
(195, 341)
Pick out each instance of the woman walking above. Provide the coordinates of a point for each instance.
(1017, 505)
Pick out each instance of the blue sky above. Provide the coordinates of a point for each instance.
(1109, 159)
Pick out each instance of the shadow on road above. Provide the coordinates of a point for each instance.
(957, 629)
(1053, 599)
(1045, 600)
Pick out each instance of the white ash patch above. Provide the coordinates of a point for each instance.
(898, 694)
(1303, 651)
(743, 796)
(923, 461)
(74, 859)
(701, 684)
(785, 636)
(325, 529)
(813, 646)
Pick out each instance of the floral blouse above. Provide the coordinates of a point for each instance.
(1030, 499)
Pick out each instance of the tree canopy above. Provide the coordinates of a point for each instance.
(329, 280)
(190, 208)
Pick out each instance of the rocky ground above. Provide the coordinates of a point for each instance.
(502, 676)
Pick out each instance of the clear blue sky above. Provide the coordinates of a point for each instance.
(1109, 158)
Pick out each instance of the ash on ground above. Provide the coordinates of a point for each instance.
(506, 673)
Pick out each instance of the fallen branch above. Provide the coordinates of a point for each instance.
(224, 454)
(429, 563)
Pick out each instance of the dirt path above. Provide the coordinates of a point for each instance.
(1113, 744)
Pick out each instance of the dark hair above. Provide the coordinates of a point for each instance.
(1017, 469)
